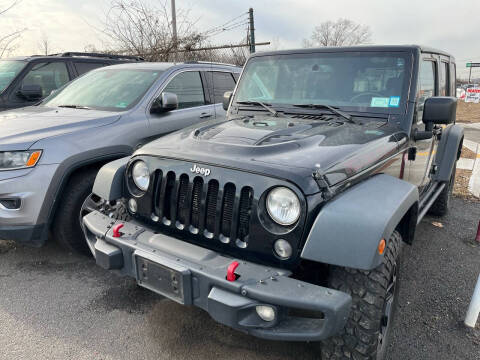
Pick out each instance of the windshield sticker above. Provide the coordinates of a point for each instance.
(373, 132)
(394, 101)
(380, 102)
(122, 105)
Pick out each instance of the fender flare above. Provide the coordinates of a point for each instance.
(62, 175)
(109, 181)
(348, 228)
(448, 152)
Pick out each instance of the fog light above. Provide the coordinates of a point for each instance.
(283, 249)
(132, 205)
(266, 313)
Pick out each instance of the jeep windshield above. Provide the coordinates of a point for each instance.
(105, 89)
(352, 81)
(9, 69)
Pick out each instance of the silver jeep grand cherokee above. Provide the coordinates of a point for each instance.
(50, 153)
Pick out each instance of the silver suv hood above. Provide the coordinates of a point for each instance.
(21, 128)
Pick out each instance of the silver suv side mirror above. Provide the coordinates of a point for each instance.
(227, 96)
(164, 103)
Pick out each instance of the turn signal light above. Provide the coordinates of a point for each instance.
(33, 158)
(381, 246)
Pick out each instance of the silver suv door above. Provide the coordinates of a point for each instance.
(192, 105)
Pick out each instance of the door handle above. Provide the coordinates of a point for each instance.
(205, 115)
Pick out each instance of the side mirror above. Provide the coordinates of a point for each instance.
(440, 110)
(227, 97)
(31, 92)
(164, 103)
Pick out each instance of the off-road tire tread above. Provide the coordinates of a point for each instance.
(440, 206)
(359, 338)
(66, 229)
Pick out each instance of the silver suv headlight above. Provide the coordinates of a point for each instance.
(141, 175)
(12, 160)
(283, 206)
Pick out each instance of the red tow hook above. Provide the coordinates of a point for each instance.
(116, 230)
(231, 276)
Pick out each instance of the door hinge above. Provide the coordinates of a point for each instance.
(412, 153)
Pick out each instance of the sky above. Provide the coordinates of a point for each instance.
(445, 24)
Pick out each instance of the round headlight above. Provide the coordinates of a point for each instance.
(283, 206)
(141, 175)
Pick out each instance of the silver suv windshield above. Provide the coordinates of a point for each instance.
(9, 69)
(356, 81)
(105, 89)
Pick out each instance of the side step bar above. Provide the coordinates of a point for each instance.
(429, 198)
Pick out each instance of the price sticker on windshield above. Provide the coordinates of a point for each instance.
(380, 102)
(385, 102)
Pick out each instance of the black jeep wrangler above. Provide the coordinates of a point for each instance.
(286, 220)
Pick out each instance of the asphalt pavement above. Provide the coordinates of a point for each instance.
(56, 305)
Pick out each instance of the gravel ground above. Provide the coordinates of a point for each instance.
(56, 305)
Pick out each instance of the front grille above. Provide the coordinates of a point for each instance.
(203, 207)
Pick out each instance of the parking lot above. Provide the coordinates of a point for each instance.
(56, 305)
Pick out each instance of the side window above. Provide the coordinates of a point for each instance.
(188, 88)
(426, 85)
(50, 76)
(84, 67)
(221, 82)
(444, 79)
(453, 79)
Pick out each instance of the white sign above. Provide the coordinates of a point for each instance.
(473, 95)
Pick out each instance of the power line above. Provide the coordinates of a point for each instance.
(220, 27)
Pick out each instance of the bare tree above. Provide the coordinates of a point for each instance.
(343, 32)
(7, 42)
(44, 45)
(139, 29)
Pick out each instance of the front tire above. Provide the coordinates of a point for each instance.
(67, 230)
(374, 294)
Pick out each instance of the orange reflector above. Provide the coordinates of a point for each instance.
(381, 246)
(33, 158)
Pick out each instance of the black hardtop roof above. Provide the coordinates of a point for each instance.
(360, 48)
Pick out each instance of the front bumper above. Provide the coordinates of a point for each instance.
(304, 312)
(29, 187)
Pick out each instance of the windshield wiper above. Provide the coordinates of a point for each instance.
(262, 104)
(75, 107)
(331, 108)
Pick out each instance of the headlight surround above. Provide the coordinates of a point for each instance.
(13, 160)
(141, 175)
(283, 206)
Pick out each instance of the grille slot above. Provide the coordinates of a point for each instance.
(204, 208)
(168, 195)
(227, 209)
(182, 202)
(196, 202)
(211, 206)
(244, 213)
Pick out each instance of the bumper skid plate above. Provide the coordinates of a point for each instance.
(192, 275)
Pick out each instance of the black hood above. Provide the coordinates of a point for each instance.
(284, 147)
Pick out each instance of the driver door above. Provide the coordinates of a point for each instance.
(421, 151)
(192, 105)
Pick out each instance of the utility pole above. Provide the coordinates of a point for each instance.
(174, 30)
(470, 76)
(252, 31)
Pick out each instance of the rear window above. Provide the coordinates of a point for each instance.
(84, 67)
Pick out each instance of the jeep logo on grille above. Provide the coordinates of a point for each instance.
(198, 170)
